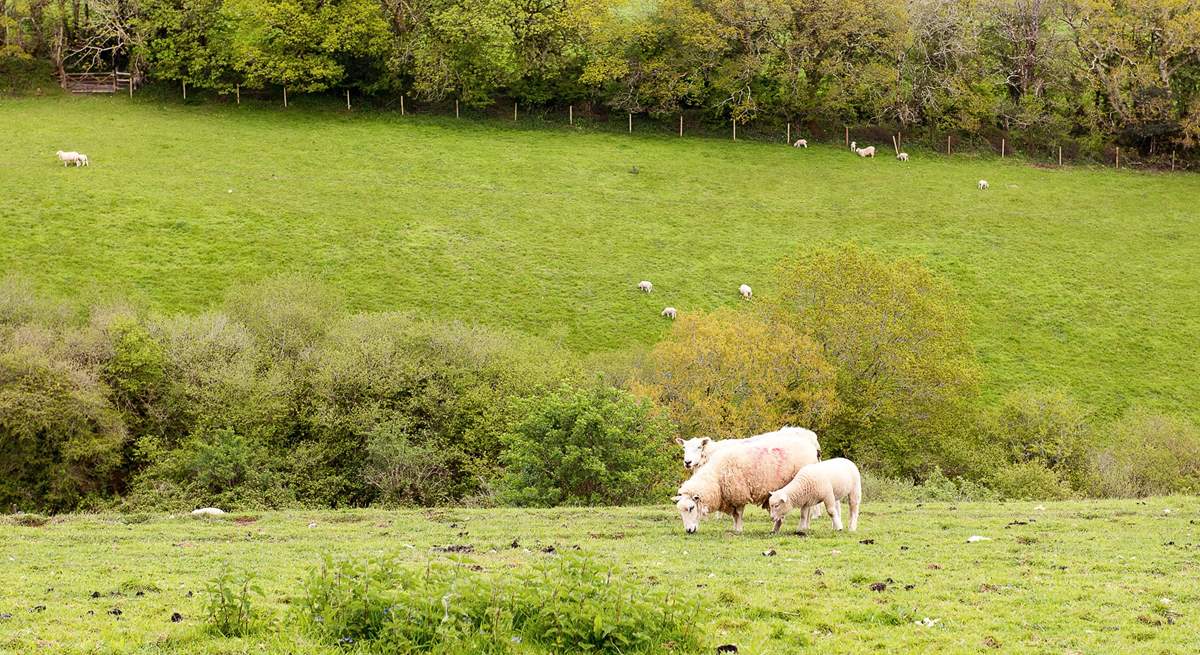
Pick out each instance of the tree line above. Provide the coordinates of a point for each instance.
(1093, 71)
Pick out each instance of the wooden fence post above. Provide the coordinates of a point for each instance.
(1118, 156)
(896, 145)
(1060, 155)
(238, 90)
(681, 125)
(347, 99)
(947, 144)
(735, 129)
(571, 114)
(285, 97)
(789, 133)
(1001, 147)
(402, 104)
(847, 135)
(1172, 159)
(514, 112)
(184, 89)
(456, 114)
(631, 122)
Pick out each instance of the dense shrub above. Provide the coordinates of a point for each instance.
(61, 440)
(729, 374)
(229, 607)
(591, 446)
(906, 372)
(1029, 480)
(406, 472)
(1046, 434)
(936, 487)
(568, 604)
(20, 72)
(1147, 454)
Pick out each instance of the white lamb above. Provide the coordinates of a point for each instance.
(669, 312)
(902, 156)
(82, 160)
(645, 285)
(68, 158)
(740, 475)
(746, 291)
(854, 145)
(869, 151)
(800, 143)
(698, 450)
(825, 482)
(983, 185)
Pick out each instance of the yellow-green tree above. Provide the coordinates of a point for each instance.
(731, 374)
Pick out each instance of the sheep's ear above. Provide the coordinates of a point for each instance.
(679, 440)
(676, 499)
(705, 441)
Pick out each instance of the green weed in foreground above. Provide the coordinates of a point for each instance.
(1077, 279)
(1087, 577)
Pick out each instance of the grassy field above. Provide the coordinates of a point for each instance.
(1095, 577)
(1083, 279)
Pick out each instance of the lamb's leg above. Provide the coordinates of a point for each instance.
(737, 519)
(855, 501)
(835, 511)
(805, 515)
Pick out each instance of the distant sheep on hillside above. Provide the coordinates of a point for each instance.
(746, 291)
(800, 143)
(869, 151)
(902, 156)
(983, 185)
(645, 285)
(669, 312)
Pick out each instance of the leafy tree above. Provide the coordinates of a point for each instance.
(191, 41)
(906, 373)
(592, 446)
(730, 374)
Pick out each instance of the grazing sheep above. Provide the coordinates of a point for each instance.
(82, 160)
(669, 312)
(902, 156)
(869, 151)
(983, 185)
(800, 143)
(740, 475)
(746, 291)
(645, 285)
(823, 482)
(68, 158)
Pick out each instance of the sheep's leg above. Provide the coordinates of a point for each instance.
(737, 519)
(835, 511)
(855, 501)
(805, 515)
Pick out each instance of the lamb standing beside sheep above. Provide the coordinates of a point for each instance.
(739, 475)
(825, 482)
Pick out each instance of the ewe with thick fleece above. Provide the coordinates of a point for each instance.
(824, 482)
(68, 158)
(869, 151)
(740, 475)
(698, 450)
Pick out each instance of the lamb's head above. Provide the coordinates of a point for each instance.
(693, 451)
(780, 505)
(691, 510)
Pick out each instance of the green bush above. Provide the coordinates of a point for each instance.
(592, 446)
(936, 487)
(404, 472)
(568, 604)
(1029, 481)
(1046, 430)
(1148, 454)
(19, 72)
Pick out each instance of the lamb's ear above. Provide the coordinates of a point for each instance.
(679, 440)
(705, 441)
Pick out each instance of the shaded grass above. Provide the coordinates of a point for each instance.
(1079, 278)
(1077, 577)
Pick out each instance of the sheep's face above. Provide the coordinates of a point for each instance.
(690, 510)
(780, 505)
(693, 451)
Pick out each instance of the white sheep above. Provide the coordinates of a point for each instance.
(645, 285)
(800, 143)
(825, 482)
(698, 450)
(82, 160)
(854, 145)
(208, 511)
(669, 312)
(746, 291)
(983, 185)
(869, 151)
(902, 156)
(740, 475)
(68, 158)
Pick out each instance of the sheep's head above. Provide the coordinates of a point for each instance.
(693, 451)
(780, 505)
(691, 510)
